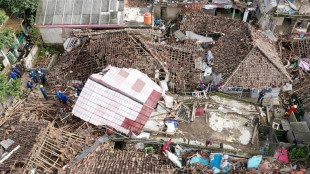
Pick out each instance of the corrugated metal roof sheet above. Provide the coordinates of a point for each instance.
(122, 99)
(79, 12)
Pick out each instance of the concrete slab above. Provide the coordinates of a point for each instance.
(299, 126)
(228, 121)
(285, 124)
(305, 136)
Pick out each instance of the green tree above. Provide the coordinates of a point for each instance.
(6, 38)
(2, 18)
(15, 88)
(9, 88)
(4, 88)
(19, 6)
(35, 36)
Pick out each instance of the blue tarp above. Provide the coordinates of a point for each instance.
(216, 161)
(254, 162)
(199, 160)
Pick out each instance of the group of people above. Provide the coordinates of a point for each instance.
(15, 73)
(33, 79)
(63, 98)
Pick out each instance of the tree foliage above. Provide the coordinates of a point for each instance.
(2, 18)
(9, 88)
(19, 6)
(4, 87)
(298, 153)
(35, 36)
(6, 38)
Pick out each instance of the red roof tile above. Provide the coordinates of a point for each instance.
(124, 105)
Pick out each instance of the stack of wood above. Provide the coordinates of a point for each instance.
(43, 62)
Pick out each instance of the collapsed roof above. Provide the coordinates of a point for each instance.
(128, 49)
(24, 135)
(119, 98)
(243, 56)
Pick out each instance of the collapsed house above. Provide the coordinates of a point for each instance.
(107, 160)
(127, 49)
(37, 147)
(17, 143)
(243, 57)
(120, 98)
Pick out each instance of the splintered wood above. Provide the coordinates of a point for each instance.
(43, 61)
(54, 149)
(125, 49)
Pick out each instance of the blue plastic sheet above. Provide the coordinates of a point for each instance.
(254, 162)
(216, 161)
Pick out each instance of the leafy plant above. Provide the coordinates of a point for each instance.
(6, 38)
(19, 6)
(298, 153)
(2, 18)
(4, 88)
(35, 36)
(50, 48)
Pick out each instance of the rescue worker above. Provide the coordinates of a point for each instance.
(30, 84)
(17, 73)
(33, 76)
(78, 88)
(202, 86)
(39, 70)
(13, 76)
(43, 92)
(261, 97)
(58, 94)
(41, 75)
(64, 99)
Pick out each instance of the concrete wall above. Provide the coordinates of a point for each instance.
(54, 35)
(171, 11)
(273, 94)
(31, 56)
(306, 118)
